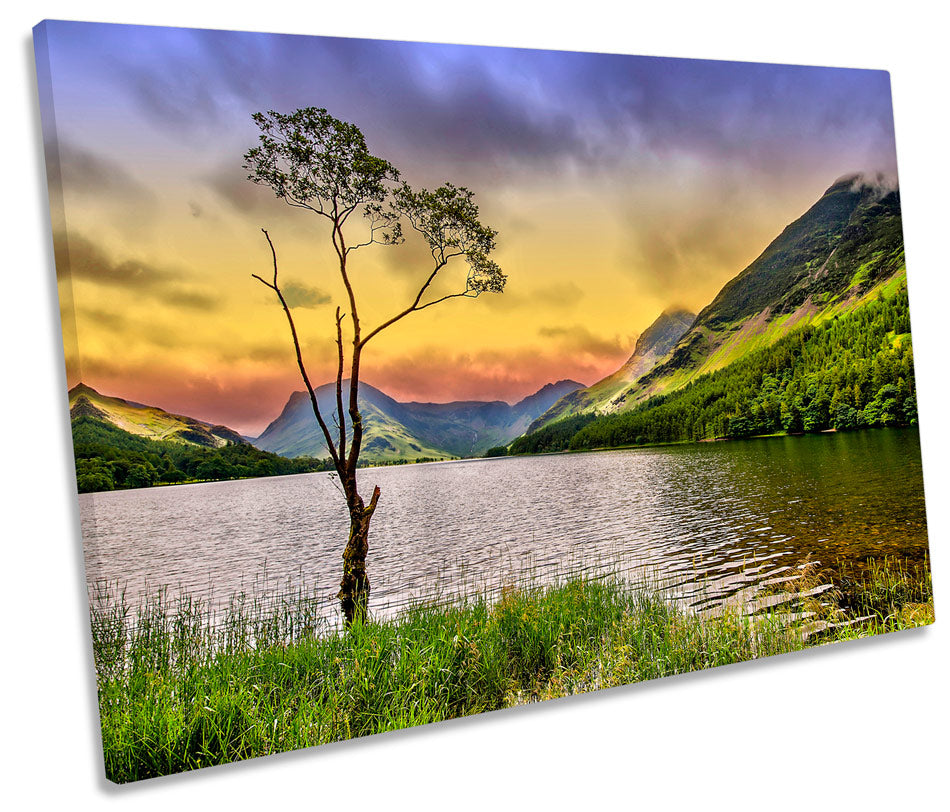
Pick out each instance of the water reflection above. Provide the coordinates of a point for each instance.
(713, 519)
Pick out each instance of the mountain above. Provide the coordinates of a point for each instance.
(841, 253)
(149, 422)
(853, 371)
(295, 431)
(110, 458)
(394, 430)
(653, 345)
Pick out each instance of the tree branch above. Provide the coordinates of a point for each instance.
(339, 382)
(347, 211)
(465, 294)
(356, 419)
(292, 201)
(378, 221)
(415, 307)
(368, 510)
(334, 455)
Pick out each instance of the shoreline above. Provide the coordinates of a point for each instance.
(598, 449)
(679, 443)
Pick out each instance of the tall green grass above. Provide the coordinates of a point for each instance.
(873, 597)
(183, 687)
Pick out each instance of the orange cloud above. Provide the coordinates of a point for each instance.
(439, 375)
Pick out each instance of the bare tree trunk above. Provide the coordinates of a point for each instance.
(354, 588)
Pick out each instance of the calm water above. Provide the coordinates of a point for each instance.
(713, 518)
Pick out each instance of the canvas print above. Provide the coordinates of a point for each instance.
(412, 381)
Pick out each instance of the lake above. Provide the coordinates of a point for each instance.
(709, 519)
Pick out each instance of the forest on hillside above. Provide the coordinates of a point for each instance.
(852, 371)
(108, 458)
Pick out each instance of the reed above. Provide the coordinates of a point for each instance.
(183, 686)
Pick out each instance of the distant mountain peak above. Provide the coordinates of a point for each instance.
(652, 346)
(547, 396)
(659, 338)
(564, 383)
(829, 260)
(81, 389)
(848, 244)
(881, 183)
(677, 311)
(407, 430)
(150, 422)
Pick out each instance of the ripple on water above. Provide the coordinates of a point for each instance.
(712, 518)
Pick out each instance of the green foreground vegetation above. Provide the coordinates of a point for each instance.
(177, 692)
(849, 372)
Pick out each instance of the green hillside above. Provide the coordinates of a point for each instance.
(839, 254)
(109, 458)
(653, 345)
(149, 422)
(296, 433)
(395, 431)
(850, 371)
(836, 257)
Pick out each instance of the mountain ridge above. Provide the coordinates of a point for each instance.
(653, 344)
(396, 430)
(844, 248)
(151, 422)
(823, 264)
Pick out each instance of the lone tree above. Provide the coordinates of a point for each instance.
(315, 162)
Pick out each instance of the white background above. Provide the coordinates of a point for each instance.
(862, 725)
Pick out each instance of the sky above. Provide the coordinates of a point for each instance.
(619, 186)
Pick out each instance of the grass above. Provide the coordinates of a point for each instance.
(874, 597)
(181, 688)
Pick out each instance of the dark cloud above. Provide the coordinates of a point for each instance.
(486, 113)
(758, 115)
(298, 294)
(194, 82)
(86, 172)
(195, 300)
(492, 109)
(84, 259)
(469, 117)
(114, 322)
(489, 109)
(231, 184)
(80, 258)
(186, 80)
